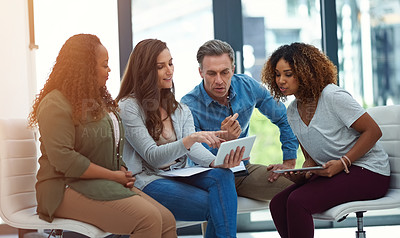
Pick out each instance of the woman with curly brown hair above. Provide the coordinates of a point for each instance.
(161, 137)
(82, 175)
(334, 132)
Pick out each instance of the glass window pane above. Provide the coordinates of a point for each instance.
(56, 21)
(369, 52)
(270, 24)
(183, 31)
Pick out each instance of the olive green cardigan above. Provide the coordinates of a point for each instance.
(67, 151)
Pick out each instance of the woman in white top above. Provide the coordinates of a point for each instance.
(333, 130)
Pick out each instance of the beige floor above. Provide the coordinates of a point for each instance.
(371, 232)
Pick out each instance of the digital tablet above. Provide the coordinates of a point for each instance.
(227, 146)
(298, 170)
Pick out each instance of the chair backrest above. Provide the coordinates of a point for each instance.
(388, 119)
(18, 166)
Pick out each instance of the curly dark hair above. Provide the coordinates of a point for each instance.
(74, 75)
(310, 67)
(140, 80)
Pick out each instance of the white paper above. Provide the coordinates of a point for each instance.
(188, 171)
(240, 167)
(184, 172)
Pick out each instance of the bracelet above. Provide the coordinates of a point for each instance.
(347, 158)
(345, 166)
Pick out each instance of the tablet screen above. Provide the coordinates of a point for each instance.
(299, 169)
(227, 146)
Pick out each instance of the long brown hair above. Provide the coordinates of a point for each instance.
(140, 80)
(74, 75)
(310, 67)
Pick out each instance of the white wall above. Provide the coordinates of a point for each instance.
(16, 65)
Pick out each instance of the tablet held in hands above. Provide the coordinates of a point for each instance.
(227, 146)
(298, 170)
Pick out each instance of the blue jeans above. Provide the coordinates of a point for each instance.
(210, 195)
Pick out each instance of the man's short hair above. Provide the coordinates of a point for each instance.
(215, 48)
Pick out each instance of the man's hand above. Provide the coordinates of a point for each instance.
(232, 126)
(287, 164)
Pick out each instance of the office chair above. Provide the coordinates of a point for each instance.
(18, 167)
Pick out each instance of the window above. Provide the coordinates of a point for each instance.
(183, 31)
(56, 21)
(270, 24)
(369, 53)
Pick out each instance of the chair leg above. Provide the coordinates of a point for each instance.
(22, 232)
(57, 233)
(203, 228)
(360, 233)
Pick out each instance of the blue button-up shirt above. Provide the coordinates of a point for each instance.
(245, 94)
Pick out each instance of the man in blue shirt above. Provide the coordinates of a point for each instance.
(225, 101)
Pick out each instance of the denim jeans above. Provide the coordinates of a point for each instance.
(210, 195)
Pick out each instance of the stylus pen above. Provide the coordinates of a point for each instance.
(230, 106)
